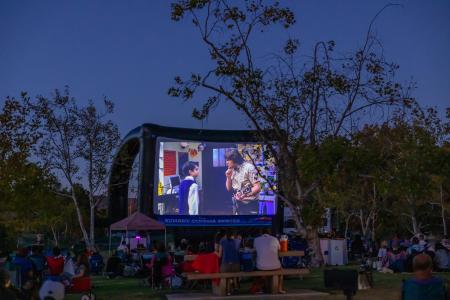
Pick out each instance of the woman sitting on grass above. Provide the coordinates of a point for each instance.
(81, 281)
(82, 267)
(441, 258)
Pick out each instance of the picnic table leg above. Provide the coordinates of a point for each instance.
(220, 289)
(274, 282)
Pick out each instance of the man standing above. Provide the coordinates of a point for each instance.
(267, 259)
(188, 194)
(242, 179)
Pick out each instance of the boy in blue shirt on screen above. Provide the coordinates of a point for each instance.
(188, 194)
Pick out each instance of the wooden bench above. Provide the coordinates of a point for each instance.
(220, 288)
(299, 253)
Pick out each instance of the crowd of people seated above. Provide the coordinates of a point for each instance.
(228, 250)
(397, 254)
(234, 253)
(39, 274)
(155, 263)
(231, 252)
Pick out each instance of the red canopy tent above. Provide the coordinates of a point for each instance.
(137, 221)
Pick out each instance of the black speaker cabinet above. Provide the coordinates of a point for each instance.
(346, 280)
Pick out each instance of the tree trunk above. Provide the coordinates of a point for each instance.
(414, 224)
(347, 222)
(364, 226)
(444, 221)
(374, 215)
(66, 229)
(80, 219)
(312, 236)
(298, 221)
(92, 227)
(55, 236)
(91, 198)
(373, 226)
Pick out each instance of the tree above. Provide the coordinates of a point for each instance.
(77, 142)
(347, 168)
(98, 138)
(408, 177)
(301, 104)
(34, 207)
(18, 135)
(347, 187)
(441, 180)
(27, 203)
(410, 165)
(390, 173)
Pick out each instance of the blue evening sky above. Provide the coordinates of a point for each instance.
(131, 50)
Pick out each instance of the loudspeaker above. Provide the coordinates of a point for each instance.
(346, 280)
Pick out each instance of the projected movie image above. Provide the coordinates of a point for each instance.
(209, 179)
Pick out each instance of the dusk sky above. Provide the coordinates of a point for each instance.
(130, 51)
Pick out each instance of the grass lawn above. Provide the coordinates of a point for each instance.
(387, 287)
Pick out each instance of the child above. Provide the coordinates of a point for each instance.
(247, 257)
(383, 261)
(188, 194)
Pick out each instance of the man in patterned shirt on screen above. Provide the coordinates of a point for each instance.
(242, 179)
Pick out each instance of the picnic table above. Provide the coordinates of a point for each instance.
(292, 253)
(273, 275)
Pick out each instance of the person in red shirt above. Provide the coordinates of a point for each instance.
(55, 263)
(207, 263)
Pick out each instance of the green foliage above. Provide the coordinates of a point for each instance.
(30, 205)
(23, 184)
(18, 135)
(418, 165)
(389, 174)
(7, 242)
(385, 177)
(63, 135)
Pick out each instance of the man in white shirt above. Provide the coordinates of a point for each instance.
(267, 257)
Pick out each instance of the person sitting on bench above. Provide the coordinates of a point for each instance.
(267, 259)
(229, 254)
